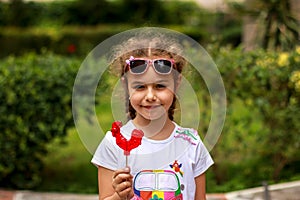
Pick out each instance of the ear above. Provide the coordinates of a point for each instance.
(124, 83)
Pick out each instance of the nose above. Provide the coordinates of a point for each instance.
(150, 95)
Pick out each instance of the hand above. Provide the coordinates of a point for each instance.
(122, 183)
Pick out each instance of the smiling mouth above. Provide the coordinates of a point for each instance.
(151, 107)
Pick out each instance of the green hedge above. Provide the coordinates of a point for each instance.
(79, 40)
(35, 108)
(260, 140)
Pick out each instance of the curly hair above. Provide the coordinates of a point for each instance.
(147, 43)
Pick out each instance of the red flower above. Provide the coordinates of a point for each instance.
(71, 48)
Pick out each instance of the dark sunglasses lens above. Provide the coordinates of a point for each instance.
(138, 66)
(163, 66)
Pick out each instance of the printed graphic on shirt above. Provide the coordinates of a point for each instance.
(176, 167)
(157, 185)
(186, 134)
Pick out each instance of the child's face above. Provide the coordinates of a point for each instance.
(151, 94)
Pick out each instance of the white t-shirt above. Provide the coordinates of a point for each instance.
(160, 168)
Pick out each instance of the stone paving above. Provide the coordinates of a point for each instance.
(29, 195)
(284, 191)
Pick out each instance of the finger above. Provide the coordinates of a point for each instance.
(124, 189)
(124, 185)
(122, 174)
(122, 177)
(121, 171)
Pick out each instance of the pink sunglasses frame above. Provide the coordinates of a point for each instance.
(149, 61)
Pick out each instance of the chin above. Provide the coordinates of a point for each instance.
(154, 116)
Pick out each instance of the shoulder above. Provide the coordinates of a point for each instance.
(188, 134)
(127, 129)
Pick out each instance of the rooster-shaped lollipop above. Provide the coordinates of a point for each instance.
(122, 142)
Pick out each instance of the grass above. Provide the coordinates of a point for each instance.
(68, 167)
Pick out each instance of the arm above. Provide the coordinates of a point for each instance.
(114, 185)
(200, 187)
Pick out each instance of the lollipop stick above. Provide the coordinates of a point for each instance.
(126, 166)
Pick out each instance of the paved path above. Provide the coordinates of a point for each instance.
(284, 191)
(29, 195)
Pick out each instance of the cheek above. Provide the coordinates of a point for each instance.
(167, 97)
(136, 97)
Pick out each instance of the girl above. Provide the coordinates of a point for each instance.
(171, 161)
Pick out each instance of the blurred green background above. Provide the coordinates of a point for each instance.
(254, 43)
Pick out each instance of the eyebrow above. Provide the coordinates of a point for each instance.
(156, 82)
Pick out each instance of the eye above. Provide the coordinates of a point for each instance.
(160, 86)
(138, 87)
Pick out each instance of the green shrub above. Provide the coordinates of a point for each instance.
(260, 139)
(17, 41)
(35, 108)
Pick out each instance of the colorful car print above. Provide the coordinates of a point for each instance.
(157, 185)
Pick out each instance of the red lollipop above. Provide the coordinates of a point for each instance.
(122, 142)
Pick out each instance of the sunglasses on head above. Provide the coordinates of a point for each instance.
(140, 65)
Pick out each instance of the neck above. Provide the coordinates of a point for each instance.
(158, 129)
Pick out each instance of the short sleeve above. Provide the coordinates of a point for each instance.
(107, 153)
(203, 160)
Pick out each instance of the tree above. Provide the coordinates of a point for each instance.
(272, 24)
